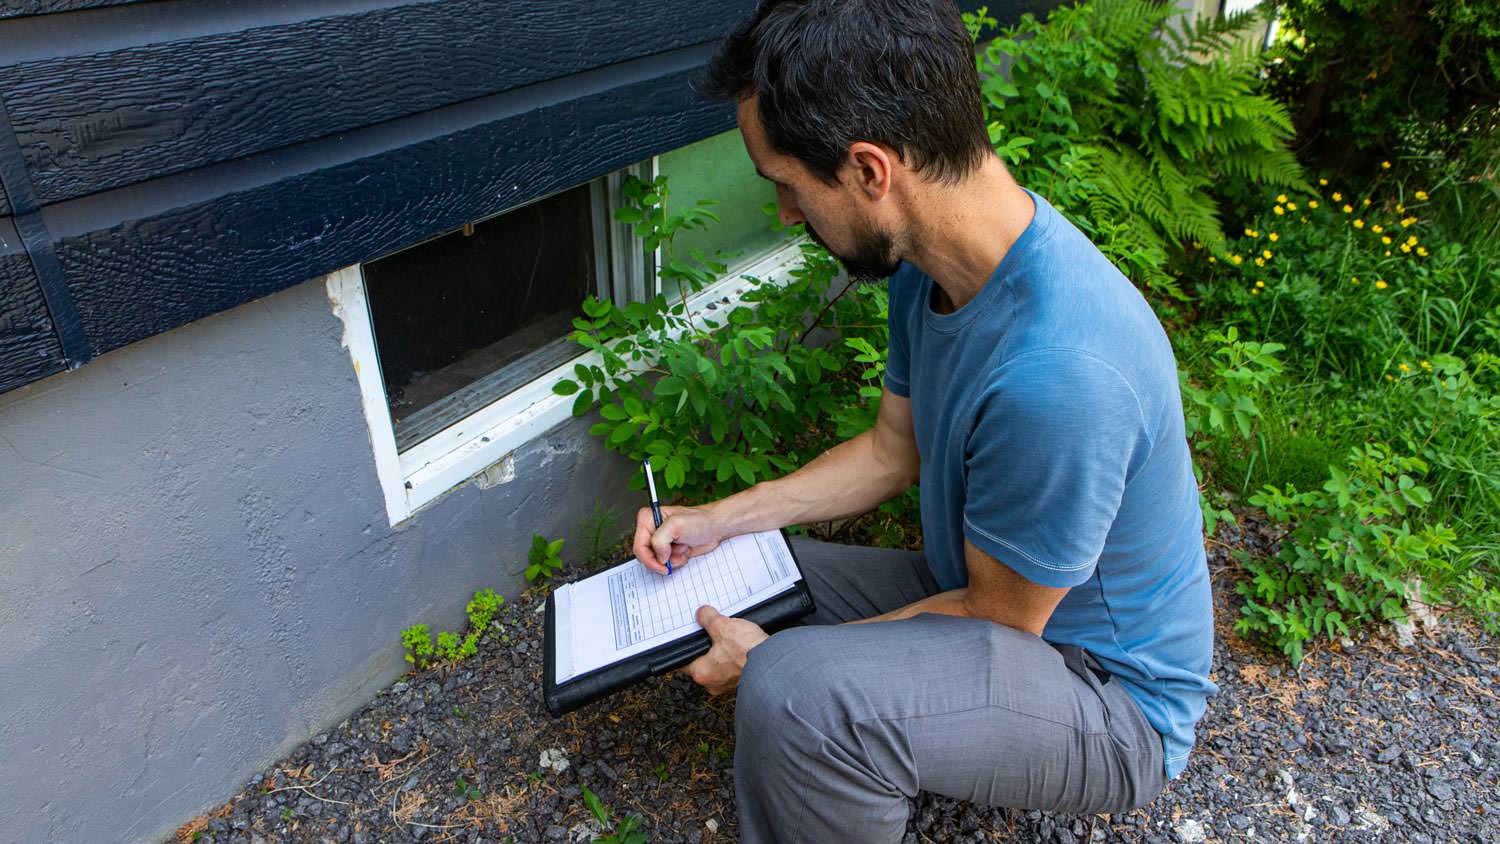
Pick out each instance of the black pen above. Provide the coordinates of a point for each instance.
(655, 503)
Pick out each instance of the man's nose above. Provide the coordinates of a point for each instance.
(789, 212)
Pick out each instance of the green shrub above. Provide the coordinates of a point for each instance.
(1348, 554)
(720, 402)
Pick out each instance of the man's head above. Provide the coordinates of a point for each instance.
(842, 100)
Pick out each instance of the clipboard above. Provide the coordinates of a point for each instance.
(771, 614)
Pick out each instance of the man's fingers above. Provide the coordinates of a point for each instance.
(706, 617)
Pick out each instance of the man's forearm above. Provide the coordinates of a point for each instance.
(851, 478)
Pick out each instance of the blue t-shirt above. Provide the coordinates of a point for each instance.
(1050, 428)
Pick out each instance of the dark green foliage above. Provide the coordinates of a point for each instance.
(1360, 73)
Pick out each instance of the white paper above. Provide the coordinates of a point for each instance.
(630, 609)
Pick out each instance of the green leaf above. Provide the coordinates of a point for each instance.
(565, 387)
(582, 404)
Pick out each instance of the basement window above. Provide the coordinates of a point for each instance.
(464, 319)
(457, 341)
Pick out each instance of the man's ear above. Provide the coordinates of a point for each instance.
(872, 168)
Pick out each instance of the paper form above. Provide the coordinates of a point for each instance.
(630, 609)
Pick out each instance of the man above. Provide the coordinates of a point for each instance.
(1050, 647)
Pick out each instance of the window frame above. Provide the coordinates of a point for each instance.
(482, 445)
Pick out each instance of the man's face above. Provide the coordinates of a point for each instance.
(832, 214)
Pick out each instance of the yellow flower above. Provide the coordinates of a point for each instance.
(1291, 206)
(1213, 260)
(1380, 284)
(1387, 253)
(1249, 232)
(1348, 209)
(1260, 262)
(1377, 228)
(1421, 195)
(1385, 165)
(1365, 202)
(1406, 222)
(1197, 245)
(1266, 253)
(1406, 247)
(1323, 182)
(1338, 197)
(1279, 210)
(1354, 279)
(1260, 283)
(1400, 209)
(1422, 250)
(1254, 291)
(1385, 239)
(1238, 260)
(1403, 367)
(1425, 364)
(1359, 224)
(1412, 240)
(1281, 197)
(1389, 377)
(1274, 237)
(1312, 203)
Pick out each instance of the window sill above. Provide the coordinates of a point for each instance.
(488, 438)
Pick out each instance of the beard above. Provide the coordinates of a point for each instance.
(873, 257)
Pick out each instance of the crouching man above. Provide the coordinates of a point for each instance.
(1050, 647)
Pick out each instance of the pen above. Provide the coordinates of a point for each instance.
(655, 502)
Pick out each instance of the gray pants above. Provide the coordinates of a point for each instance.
(836, 726)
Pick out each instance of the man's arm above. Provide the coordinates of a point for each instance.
(853, 477)
(995, 593)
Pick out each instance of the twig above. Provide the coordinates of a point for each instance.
(309, 788)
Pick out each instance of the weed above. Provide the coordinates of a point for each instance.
(466, 790)
(545, 559)
(624, 833)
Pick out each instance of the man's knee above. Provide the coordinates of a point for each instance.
(789, 684)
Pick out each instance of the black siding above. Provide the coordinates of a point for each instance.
(161, 161)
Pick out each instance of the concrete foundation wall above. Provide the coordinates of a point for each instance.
(197, 572)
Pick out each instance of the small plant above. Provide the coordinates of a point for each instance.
(599, 535)
(466, 790)
(545, 559)
(460, 713)
(625, 833)
(418, 642)
(662, 774)
(286, 813)
(422, 652)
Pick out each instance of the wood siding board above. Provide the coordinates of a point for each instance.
(29, 349)
(26, 8)
(93, 121)
(146, 275)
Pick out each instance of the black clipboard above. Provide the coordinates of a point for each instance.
(771, 614)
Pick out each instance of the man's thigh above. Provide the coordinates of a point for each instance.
(961, 707)
(850, 582)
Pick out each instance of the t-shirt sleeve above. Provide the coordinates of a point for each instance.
(898, 349)
(1056, 437)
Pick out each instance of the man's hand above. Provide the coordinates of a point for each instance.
(685, 532)
(719, 669)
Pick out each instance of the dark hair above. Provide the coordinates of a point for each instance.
(827, 73)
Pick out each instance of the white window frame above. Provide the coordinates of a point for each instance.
(484, 442)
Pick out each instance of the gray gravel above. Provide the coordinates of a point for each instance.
(1368, 742)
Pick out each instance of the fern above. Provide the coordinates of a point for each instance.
(1133, 116)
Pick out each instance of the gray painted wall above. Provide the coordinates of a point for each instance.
(197, 572)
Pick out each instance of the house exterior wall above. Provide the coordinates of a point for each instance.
(197, 573)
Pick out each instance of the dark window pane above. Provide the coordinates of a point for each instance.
(465, 318)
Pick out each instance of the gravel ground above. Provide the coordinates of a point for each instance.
(1370, 741)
